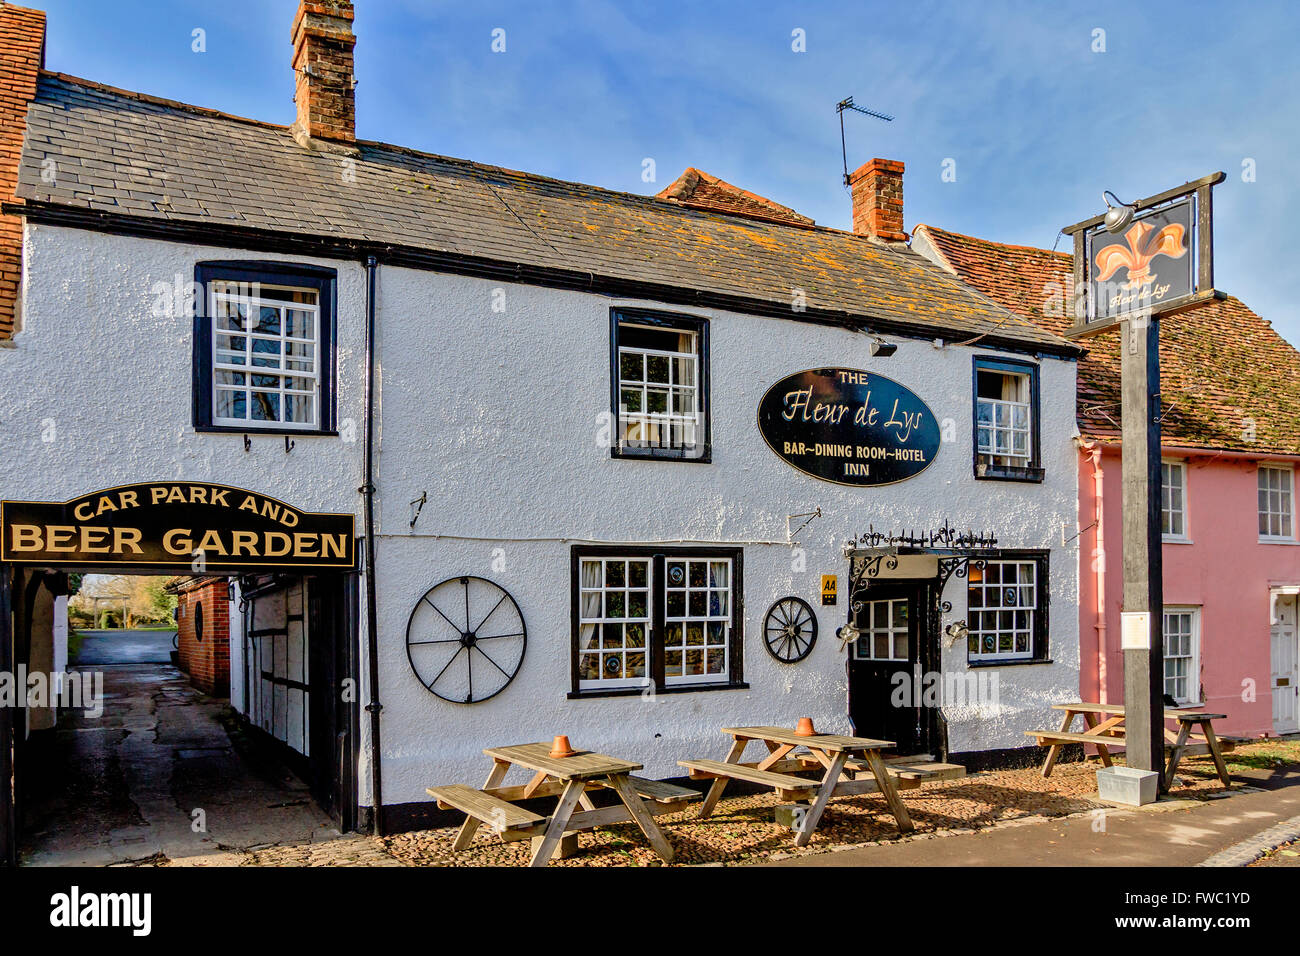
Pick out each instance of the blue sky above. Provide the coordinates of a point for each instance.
(1037, 123)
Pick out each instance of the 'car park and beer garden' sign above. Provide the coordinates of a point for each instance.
(849, 426)
(184, 526)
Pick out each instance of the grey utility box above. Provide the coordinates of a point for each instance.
(1127, 785)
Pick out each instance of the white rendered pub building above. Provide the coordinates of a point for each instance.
(517, 457)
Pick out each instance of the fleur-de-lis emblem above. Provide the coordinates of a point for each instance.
(1144, 244)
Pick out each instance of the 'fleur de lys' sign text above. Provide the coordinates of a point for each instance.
(849, 426)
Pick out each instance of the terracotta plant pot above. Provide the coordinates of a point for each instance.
(804, 728)
(560, 747)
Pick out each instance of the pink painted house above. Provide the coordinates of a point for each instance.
(1230, 387)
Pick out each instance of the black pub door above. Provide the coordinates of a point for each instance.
(885, 665)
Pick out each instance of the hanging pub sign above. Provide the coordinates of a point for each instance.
(1142, 267)
(188, 527)
(849, 426)
(1152, 256)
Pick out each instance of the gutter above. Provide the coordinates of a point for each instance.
(374, 707)
(453, 263)
(1092, 450)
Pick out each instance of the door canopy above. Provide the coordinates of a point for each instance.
(186, 527)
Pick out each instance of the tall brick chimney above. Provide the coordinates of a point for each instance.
(22, 57)
(878, 200)
(323, 75)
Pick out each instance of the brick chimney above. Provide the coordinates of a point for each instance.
(323, 75)
(22, 57)
(878, 200)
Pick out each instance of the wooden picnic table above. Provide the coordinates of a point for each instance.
(568, 778)
(1109, 734)
(849, 765)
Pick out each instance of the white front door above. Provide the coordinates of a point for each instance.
(1286, 679)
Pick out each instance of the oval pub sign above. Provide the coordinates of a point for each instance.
(849, 426)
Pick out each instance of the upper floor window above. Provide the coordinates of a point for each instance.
(1173, 500)
(1276, 501)
(659, 386)
(264, 348)
(1006, 420)
(1006, 602)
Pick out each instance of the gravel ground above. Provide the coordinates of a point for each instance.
(1286, 855)
(742, 829)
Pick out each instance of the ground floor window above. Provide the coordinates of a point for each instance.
(647, 617)
(1006, 602)
(1182, 638)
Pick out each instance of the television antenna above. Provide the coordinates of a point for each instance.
(848, 104)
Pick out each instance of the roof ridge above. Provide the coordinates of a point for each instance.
(993, 242)
(158, 100)
(656, 201)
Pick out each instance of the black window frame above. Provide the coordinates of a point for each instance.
(1042, 632)
(1034, 471)
(659, 557)
(324, 281)
(666, 320)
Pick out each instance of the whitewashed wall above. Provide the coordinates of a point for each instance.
(496, 415)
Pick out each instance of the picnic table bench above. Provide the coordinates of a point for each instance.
(570, 779)
(1109, 734)
(847, 766)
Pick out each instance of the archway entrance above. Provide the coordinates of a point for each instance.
(282, 580)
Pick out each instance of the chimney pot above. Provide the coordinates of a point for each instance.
(877, 188)
(324, 78)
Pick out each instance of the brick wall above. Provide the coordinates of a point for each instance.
(22, 56)
(206, 660)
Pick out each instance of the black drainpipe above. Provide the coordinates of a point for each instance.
(368, 489)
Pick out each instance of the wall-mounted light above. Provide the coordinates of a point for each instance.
(848, 634)
(1119, 214)
(882, 348)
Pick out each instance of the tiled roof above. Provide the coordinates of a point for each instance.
(1222, 367)
(133, 155)
(698, 189)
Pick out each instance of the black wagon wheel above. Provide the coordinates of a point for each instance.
(465, 639)
(790, 630)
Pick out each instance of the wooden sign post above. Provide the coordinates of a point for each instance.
(1142, 638)
(1153, 249)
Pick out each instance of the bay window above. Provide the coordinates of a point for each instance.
(1006, 605)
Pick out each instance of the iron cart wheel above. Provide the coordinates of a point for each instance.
(466, 639)
(790, 630)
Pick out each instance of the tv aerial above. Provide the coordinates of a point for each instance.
(848, 104)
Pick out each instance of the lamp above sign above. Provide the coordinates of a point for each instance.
(849, 426)
(1159, 259)
(1145, 265)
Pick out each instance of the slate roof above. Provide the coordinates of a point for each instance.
(139, 156)
(1222, 367)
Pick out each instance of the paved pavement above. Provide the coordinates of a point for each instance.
(1168, 833)
(124, 647)
(157, 778)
